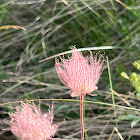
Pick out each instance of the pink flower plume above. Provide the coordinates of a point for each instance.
(29, 123)
(80, 74)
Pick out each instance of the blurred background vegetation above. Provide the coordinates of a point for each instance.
(52, 27)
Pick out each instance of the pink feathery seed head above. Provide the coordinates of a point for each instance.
(29, 123)
(80, 74)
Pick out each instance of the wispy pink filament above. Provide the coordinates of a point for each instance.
(80, 74)
(29, 123)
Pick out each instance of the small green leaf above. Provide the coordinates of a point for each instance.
(137, 64)
(134, 122)
(133, 118)
(135, 80)
(128, 117)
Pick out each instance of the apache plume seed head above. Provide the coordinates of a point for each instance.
(80, 74)
(29, 123)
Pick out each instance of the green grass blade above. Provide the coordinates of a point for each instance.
(18, 84)
(113, 100)
(71, 100)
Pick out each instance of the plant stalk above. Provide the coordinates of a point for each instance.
(82, 120)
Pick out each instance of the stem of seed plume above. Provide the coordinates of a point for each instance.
(82, 121)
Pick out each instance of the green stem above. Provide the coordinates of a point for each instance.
(113, 100)
(84, 116)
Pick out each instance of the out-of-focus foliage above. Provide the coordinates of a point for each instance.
(134, 78)
(133, 118)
